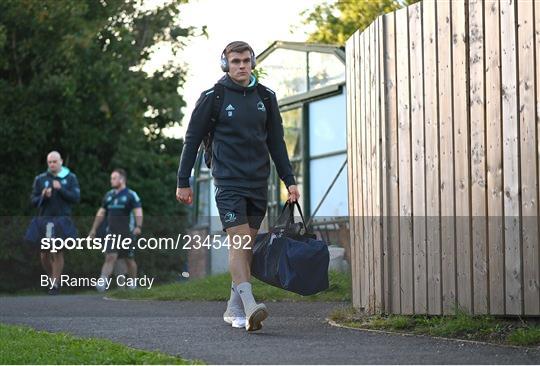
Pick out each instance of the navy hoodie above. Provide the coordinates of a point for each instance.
(245, 134)
(61, 200)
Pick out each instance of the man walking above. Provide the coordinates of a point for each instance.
(122, 207)
(244, 129)
(54, 193)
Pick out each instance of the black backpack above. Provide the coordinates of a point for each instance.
(219, 90)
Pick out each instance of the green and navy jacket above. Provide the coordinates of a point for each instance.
(61, 200)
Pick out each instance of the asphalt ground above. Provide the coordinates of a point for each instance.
(294, 333)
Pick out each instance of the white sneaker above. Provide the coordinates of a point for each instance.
(235, 320)
(255, 316)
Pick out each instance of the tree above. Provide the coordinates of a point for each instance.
(71, 79)
(336, 22)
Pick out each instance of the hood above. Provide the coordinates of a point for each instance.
(227, 82)
(62, 173)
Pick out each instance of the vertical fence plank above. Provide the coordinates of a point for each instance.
(418, 162)
(352, 166)
(392, 165)
(377, 247)
(494, 160)
(370, 147)
(405, 187)
(513, 272)
(478, 157)
(359, 184)
(366, 165)
(432, 158)
(350, 194)
(529, 146)
(365, 173)
(446, 133)
(383, 164)
(360, 124)
(461, 156)
(537, 90)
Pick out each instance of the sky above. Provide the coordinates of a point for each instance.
(258, 22)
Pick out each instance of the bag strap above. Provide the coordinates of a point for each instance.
(40, 206)
(291, 207)
(218, 102)
(40, 203)
(264, 93)
(285, 206)
(301, 214)
(219, 91)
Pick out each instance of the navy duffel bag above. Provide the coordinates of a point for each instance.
(290, 258)
(53, 227)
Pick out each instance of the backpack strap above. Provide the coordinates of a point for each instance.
(266, 96)
(217, 102)
(219, 90)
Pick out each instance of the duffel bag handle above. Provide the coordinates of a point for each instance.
(291, 207)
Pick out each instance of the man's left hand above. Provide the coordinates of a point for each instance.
(137, 231)
(56, 184)
(294, 194)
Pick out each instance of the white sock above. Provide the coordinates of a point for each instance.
(244, 290)
(101, 284)
(235, 300)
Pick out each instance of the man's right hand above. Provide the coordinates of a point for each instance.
(47, 192)
(184, 195)
(92, 234)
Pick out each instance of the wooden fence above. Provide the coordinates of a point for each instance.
(443, 120)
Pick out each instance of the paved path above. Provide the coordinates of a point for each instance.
(295, 333)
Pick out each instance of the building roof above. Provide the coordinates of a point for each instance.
(338, 51)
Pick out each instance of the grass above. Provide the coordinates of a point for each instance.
(217, 288)
(459, 326)
(527, 336)
(23, 345)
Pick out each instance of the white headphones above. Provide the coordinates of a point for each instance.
(225, 63)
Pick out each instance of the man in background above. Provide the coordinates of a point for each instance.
(122, 208)
(54, 193)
